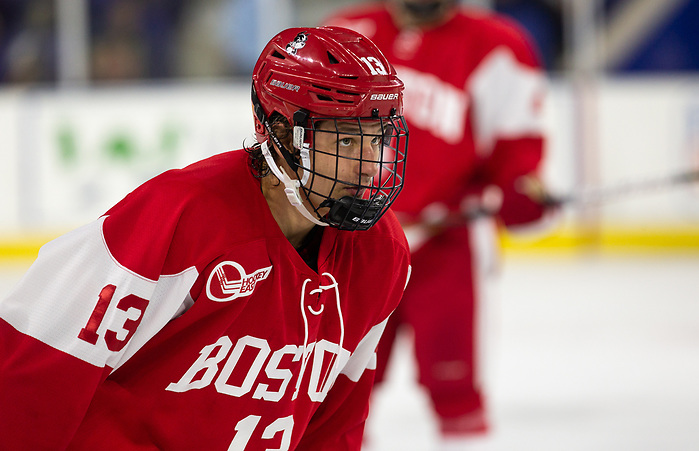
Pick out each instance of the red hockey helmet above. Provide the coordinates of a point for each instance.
(331, 74)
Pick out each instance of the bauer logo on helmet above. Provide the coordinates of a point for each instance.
(393, 96)
(285, 85)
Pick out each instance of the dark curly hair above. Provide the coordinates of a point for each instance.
(282, 129)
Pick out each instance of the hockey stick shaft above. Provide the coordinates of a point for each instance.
(607, 194)
(598, 196)
(421, 232)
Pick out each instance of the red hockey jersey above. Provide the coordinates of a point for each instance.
(473, 98)
(183, 319)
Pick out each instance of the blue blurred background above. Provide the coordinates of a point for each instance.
(109, 40)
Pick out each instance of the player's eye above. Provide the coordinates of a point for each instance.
(345, 142)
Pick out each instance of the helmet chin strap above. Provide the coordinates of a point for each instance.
(291, 186)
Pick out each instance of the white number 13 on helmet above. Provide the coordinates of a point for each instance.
(374, 65)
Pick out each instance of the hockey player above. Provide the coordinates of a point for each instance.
(473, 98)
(235, 304)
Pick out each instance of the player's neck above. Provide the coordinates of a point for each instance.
(291, 222)
(406, 21)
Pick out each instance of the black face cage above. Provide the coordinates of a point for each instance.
(381, 154)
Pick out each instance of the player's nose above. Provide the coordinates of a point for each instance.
(370, 161)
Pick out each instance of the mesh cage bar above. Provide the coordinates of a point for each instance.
(357, 143)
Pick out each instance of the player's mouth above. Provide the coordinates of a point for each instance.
(353, 191)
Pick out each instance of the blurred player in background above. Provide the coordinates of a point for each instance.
(473, 101)
(236, 303)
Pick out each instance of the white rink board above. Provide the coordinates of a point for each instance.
(79, 152)
(69, 155)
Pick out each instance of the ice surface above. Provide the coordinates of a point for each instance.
(593, 353)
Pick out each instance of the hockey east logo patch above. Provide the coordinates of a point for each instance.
(229, 281)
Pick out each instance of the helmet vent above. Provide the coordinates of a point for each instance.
(332, 59)
(278, 55)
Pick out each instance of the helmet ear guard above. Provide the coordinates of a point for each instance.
(261, 121)
(299, 142)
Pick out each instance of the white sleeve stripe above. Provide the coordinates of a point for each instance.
(507, 97)
(364, 356)
(58, 294)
